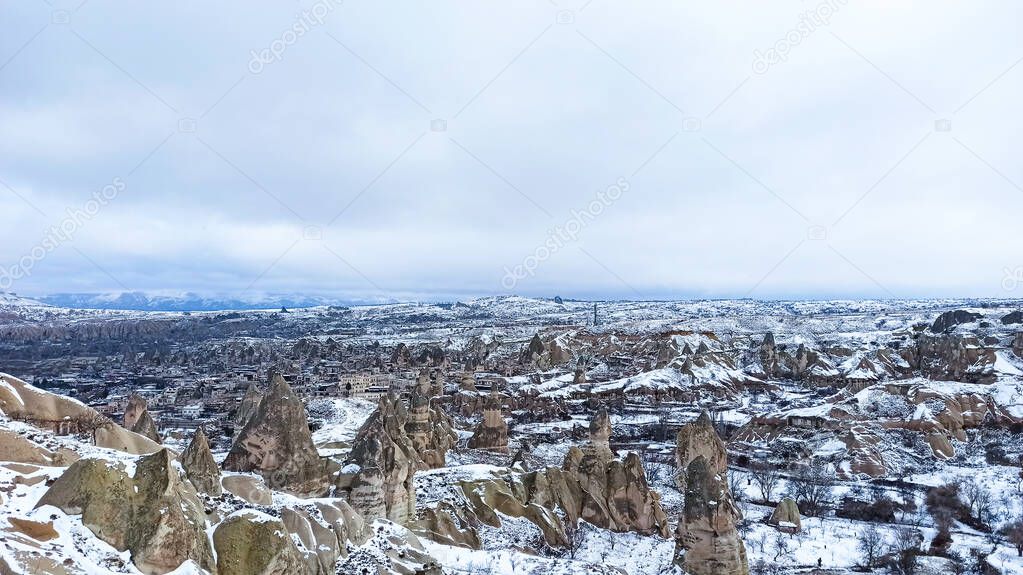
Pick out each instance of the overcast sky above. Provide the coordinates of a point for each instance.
(581, 148)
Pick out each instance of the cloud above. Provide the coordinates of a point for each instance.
(876, 159)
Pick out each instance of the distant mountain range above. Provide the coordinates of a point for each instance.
(190, 301)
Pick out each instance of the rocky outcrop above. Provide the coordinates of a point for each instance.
(955, 357)
(430, 430)
(252, 543)
(154, 514)
(136, 405)
(467, 382)
(592, 485)
(707, 540)
(492, 431)
(1013, 318)
(595, 486)
(64, 416)
(277, 443)
(168, 521)
(786, 516)
(950, 319)
(146, 427)
(14, 447)
(699, 440)
(323, 533)
(392, 549)
(769, 355)
(250, 488)
(138, 419)
(394, 443)
(248, 406)
(199, 465)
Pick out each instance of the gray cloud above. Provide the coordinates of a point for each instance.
(326, 172)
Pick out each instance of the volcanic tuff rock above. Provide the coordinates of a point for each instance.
(613, 493)
(200, 467)
(251, 543)
(786, 515)
(431, 430)
(138, 419)
(707, 541)
(277, 443)
(769, 355)
(248, 406)
(146, 427)
(387, 451)
(950, 319)
(1013, 317)
(492, 431)
(591, 485)
(155, 514)
(63, 415)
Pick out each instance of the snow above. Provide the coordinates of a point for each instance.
(345, 417)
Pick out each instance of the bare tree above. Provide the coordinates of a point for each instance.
(870, 545)
(735, 485)
(906, 548)
(1014, 533)
(782, 545)
(766, 477)
(978, 499)
(811, 488)
(574, 535)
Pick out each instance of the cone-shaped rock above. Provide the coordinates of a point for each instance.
(168, 523)
(247, 407)
(132, 412)
(200, 467)
(707, 542)
(786, 516)
(154, 515)
(138, 419)
(492, 432)
(146, 427)
(276, 443)
(389, 448)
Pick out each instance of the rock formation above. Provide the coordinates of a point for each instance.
(251, 543)
(613, 493)
(200, 467)
(63, 416)
(138, 419)
(467, 382)
(591, 485)
(250, 488)
(430, 430)
(492, 432)
(1013, 317)
(707, 541)
(950, 319)
(769, 355)
(133, 411)
(136, 405)
(277, 443)
(248, 406)
(786, 516)
(154, 514)
(387, 451)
